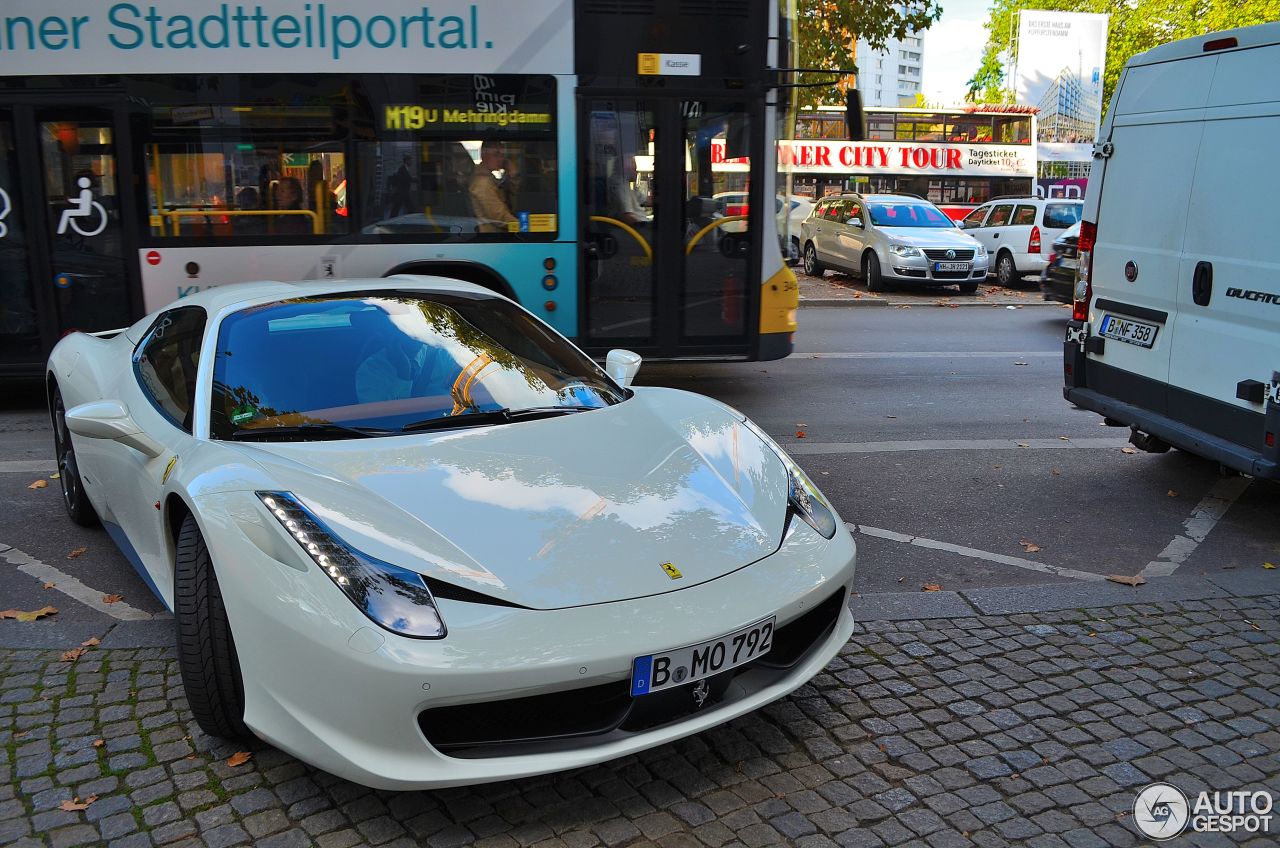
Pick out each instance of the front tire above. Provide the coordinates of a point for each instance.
(812, 267)
(73, 494)
(1006, 271)
(871, 273)
(206, 650)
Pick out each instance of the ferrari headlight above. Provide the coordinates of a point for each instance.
(804, 501)
(904, 250)
(803, 498)
(392, 597)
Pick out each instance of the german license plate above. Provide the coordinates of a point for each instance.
(950, 266)
(685, 665)
(1130, 332)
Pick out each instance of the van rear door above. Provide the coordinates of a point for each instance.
(1141, 222)
(1228, 321)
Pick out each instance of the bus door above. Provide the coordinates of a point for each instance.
(666, 244)
(23, 341)
(80, 191)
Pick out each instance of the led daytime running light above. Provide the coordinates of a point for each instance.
(394, 598)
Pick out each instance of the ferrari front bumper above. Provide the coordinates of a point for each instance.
(330, 687)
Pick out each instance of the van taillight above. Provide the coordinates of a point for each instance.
(1033, 246)
(1220, 44)
(1084, 273)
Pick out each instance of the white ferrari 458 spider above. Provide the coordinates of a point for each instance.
(415, 537)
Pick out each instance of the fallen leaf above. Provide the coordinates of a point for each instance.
(74, 654)
(931, 587)
(50, 585)
(1127, 579)
(39, 484)
(1267, 565)
(1064, 438)
(112, 598)
(98, 743)
(1029, 547)
(20, 734)
(1023, 445)
(1093, 634)
(1254, 626)
(55, 476)
(91, 642)
(1127, 449)
(1056, 472)
(76, 553)
(900, 579)
(75, 804)
(799, 434)
(25, 615)
(239, 758)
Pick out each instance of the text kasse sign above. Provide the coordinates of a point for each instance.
(894, 157)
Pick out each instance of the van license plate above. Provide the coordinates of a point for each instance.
(685, 665)
(1130, 332)
(950, 266)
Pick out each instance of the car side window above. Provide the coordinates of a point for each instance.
(1061, 215)
(819, 211)
(974, 218)
(165, 363)
(1024, 215)
(833, 210)
(1000, 215)
(854, 212)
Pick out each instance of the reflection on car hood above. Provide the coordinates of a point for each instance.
(921, 237)
(578, 509)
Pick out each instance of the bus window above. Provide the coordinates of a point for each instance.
(458, 187)
(1013, 130)
(228, 176)
(880, 127)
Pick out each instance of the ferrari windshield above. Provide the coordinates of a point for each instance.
(384, 363)
(908, 215)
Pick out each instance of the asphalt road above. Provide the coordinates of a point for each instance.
(940, 433)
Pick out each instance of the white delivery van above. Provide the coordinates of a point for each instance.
(1176, 324)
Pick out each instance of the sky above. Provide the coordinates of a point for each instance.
(953, 49)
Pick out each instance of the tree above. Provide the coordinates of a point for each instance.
(1134, 26)
(826, 30)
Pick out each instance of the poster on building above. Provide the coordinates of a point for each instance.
(1061, 56)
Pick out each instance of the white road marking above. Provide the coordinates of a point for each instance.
(974, 553)
(70, 586)
(29, 466)
(1207, 513)
(805, 448)
(932, 354)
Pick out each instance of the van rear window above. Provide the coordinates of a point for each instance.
(1059, 216)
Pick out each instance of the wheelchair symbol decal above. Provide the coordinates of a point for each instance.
(5, 208)
(84, 207)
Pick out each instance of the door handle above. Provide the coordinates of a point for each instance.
(1202, 283)
(995, 235)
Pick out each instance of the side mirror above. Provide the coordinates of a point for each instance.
(622, 365)
(110, 419)
(855, 222)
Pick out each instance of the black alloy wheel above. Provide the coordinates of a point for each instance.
(73, 495)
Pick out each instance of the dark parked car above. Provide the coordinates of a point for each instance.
(1058, 279)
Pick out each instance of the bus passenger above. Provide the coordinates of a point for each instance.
(288, 197)
(492, 199)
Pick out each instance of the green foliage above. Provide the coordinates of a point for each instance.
(825, 30)
(1134, 26)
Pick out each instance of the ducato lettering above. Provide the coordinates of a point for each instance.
(1255, 296)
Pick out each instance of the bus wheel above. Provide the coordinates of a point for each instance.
(812, 266)
(871, 272)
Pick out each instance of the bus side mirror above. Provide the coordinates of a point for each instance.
(621, 366)
(853, 117)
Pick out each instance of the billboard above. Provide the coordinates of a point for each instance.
(1061, 56)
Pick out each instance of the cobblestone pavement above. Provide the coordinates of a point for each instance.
(1024, 730)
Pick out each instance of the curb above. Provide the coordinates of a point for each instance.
(870, 607)
(827, 302)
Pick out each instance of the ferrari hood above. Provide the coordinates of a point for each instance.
(661, 492)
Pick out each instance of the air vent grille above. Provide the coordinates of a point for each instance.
(620, 7)
(714, 8)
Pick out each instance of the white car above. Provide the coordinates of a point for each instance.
(413, 536)
(1020, 232)
(890, 239)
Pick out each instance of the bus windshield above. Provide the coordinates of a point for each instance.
(908, 215)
